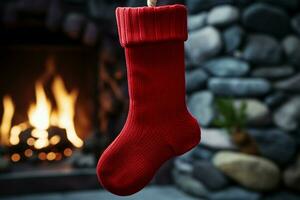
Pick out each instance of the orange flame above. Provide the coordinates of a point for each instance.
(41, 116)
(5, 126)
(64, 116)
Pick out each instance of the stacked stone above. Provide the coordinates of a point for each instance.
(248, 50)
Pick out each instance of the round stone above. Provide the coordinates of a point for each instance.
(240, 167)
(291, 84)
(268, 19)
(203, 170)
(223, 15)
(262, 49)
(214, 138)
(291, 176)
(201, 106)
(277, 72)
(287, 116)
(272, 144)
(233, 38)
(256, 111)
(189, 184)
(196, 22)
(203, 44)
(291, 47)
(239, 86)
(227, 67)
(195, 80)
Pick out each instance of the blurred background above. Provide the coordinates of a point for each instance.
(64, 98)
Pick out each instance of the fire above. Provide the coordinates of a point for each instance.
(5, 126)
(64, 116)
(42, 115)
(39, 112)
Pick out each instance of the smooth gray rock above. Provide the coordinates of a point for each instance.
(233, 38)
(216, 139)
(296, 23)
(210, 176)
(268, 19)
(189, 184)
(291, 176)
(273, 144)
(291, 47)
(227, 67)
(287, 116)
(197, 21)
(276, 99)
(195, 80)
(186, 157)
(183, 166)
(223, 15)
(262, 49)
(273, 73)
(195, 6)
(291, 84)
(201, 106)
(257, 112)
(202, 153)
(234, 193)
(250, 171)
(203, 44)
(188, 64)
(239, 86)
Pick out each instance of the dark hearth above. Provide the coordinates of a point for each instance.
(63, 93)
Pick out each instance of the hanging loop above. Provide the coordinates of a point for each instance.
(151, 3)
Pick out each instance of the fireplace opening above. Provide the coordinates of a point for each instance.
(46, 110)
(60, 106)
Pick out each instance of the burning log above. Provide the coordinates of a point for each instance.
(50, 132)
(56, 145)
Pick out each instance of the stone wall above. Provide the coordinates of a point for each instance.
(248, 51)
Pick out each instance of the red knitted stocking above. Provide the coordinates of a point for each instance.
(158, 125)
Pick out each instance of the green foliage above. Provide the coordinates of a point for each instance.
(230, 117)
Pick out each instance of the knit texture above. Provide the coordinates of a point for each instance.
(158, 125)
(151, 24)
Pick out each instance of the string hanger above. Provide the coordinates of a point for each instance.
(151, 3)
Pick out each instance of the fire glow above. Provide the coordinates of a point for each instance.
(41, 116)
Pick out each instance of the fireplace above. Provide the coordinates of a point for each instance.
(62, 97)
(47, 107)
